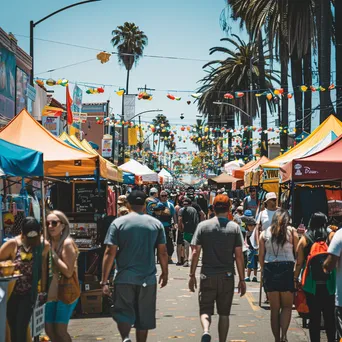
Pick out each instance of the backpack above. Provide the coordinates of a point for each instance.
(190, 221)
(316, 258)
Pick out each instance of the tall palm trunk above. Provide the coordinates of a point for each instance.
(297, 81)
(324, 56)
(262, 99)
(284, 70)
(308, 94)
(338, 38)
(127, 80)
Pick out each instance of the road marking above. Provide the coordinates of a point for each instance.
(250, 299)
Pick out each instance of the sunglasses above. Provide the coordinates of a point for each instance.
(163, 195)
(252, 190)
(53, 223)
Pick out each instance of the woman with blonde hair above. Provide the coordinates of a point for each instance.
(64, 289)
(277, 247)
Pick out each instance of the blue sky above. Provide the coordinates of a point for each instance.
(175, 28)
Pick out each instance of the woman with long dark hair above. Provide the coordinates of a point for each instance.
(28, 252)
(277, 246)
(320, 295)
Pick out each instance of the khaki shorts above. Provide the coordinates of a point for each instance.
(219, 289)
(136, 305)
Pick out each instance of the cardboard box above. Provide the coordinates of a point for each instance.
(92, 301)
(89, 278)
(91, 285)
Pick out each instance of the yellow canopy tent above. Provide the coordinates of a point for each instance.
(270, 179)
(60, 159)
(107, 169)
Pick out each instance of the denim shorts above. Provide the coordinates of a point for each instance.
(252, 259)
(278, 276)
(58, 312)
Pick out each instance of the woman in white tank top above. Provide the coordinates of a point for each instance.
(277, 246)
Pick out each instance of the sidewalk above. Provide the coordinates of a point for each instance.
(177, 317)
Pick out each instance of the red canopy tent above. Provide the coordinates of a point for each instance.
(325, 165)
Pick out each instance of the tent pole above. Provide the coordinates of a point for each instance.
(43, 209)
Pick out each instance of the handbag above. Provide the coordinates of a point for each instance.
(68, 288)
(300, 302)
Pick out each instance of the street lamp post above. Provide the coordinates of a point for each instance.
(34, 24)
(122, 136)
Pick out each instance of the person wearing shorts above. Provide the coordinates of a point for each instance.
(136, 235)
(220, 240)
(59, 312)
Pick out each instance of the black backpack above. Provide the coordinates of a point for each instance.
(190, 221)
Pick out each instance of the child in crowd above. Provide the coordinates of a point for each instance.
(252, 253)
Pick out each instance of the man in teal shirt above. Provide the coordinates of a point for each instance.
(132, 240)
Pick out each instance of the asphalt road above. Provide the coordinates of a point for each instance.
(177, 317)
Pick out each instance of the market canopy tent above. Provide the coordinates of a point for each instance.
(239, 173)
(252, 174)
(224, 178)
(19, 161)
(107, 169)
(138, 169)
(331, 124)
(270, 177)
(325, 165)
(165, 175)
(60, 159)
(233, 165)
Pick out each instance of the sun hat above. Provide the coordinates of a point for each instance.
(270, 196)
(122, 199)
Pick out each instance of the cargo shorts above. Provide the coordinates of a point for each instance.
(217, 288)
(136, 305)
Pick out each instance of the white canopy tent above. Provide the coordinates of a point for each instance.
(233, 165)
(166, 176)
(138, 169)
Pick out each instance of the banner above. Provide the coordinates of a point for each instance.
(132, 136)
(7, 82)
(76, 106)
(129, 107)
(21, 94)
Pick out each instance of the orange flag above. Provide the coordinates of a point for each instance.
(68, 106)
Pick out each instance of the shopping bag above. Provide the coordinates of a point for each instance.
(300, 302)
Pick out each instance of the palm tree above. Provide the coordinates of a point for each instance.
(240, 70)
(161, 129)
(130, 42)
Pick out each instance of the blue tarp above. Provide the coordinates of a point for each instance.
(19, 161)
(128, 178)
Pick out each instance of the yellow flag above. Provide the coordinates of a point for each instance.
(132, 136)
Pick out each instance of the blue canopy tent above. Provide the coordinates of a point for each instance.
(20, 161)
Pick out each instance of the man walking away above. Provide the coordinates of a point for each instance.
(220, 241)
(132, 240)
(188, 221)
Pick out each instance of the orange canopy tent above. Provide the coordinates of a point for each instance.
(107, 169)
(224, 178)
(239, 173)
(60, 159)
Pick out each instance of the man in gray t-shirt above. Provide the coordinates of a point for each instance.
(132, 240)
(221, 242)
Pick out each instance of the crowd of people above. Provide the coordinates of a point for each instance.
(230, 238)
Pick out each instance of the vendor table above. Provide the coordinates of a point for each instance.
(4, 281)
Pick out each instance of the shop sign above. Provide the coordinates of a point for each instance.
(52, 124)
(7, 82)
(306, 170)
(270, 175)
(107, 148)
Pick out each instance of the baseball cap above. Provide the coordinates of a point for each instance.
(250, 221)
(122, 199)
(221, 201)
(248, 213)
(270, 196)
(153, 191)
(159, 206)
(239, 208)
(30, 227)
(136, 197)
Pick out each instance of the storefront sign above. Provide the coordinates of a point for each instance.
(52, 124)
(76, 106)
(301, 170)
(270, 175)
(7, 82)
